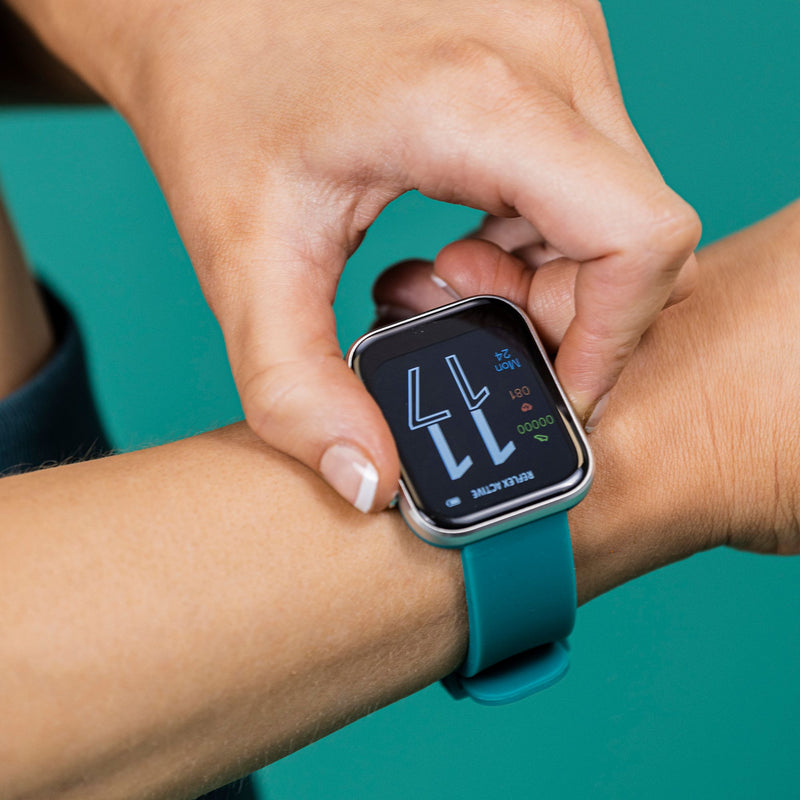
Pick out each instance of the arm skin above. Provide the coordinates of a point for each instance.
(176, 617)
(279, 131)
(25, 334)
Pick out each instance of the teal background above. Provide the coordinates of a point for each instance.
(684, 682)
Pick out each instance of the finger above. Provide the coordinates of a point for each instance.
(685, 283)
(296, 390)
(516, 235)
(406, 289)
(471, 269)
(522, 240)
(510, 233)
(546, 294)
(535, 255)
(601, 206)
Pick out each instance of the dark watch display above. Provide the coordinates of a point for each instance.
(480, 424)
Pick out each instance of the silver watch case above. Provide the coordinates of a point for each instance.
(567, 495)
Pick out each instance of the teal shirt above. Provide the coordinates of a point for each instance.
(53, 417)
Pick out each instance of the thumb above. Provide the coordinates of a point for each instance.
(297, 392)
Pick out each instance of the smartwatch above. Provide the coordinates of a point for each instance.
(491, 457)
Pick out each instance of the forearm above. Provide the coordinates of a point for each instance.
(182, 615)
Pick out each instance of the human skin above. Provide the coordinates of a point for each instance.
(26, 337)
(176, 617)
(279, 131)
(29, 73)
(707, 403)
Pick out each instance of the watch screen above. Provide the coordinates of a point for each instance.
(480, 426)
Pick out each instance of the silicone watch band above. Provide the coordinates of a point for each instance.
(521, 601)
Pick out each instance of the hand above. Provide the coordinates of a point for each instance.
(280, 132)
(699, 446)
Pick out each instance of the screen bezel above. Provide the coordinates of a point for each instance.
(379, 346)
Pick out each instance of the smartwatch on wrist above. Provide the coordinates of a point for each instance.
(491, 457)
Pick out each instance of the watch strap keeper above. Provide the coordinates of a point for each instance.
(521, 601)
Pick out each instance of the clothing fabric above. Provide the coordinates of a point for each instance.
(53, 419)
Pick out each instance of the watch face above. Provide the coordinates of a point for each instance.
(481, 427)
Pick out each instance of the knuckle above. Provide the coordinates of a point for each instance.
(606, 344)
(477, 67)
(475, 61)
(281, 398)
(620, 349)
(281, 391)
(266, 395)
(685, 284)
(673, 227)
(570, 21)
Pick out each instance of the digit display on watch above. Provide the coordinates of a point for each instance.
(481, 427)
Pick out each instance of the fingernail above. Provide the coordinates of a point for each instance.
(597, 413)
(352, 475)
(443, 284)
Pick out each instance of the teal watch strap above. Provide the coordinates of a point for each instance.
(521, 601)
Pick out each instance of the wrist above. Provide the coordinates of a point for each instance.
(657, 497)
(696, 449)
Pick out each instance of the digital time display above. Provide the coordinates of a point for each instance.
(479, 424)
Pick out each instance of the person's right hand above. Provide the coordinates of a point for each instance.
(699, 447)
(279, 131)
